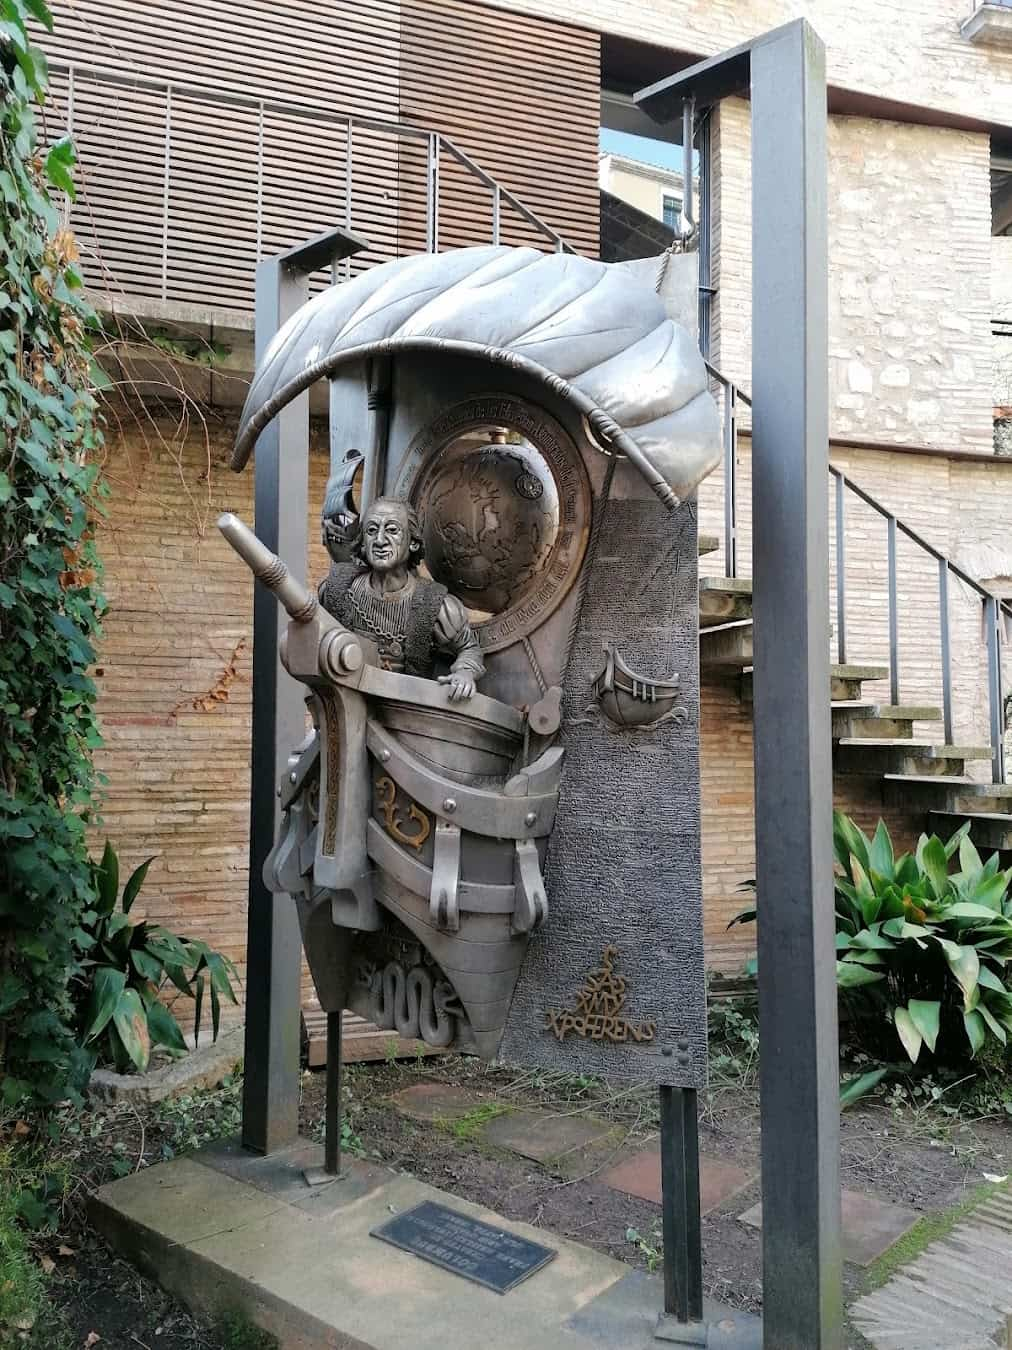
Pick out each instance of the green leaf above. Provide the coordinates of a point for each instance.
(964, 964)
(974, 1024)
(908, 1033)
(164, 1028)
(146, 965)
(872, 940)
(131, 1023)
(135, 882)
(61, 159)
(965, 909)
(933, 861)
(849, 975)
(969, 858)
(215, 1011)
(953, 844)
(925, 1015)
(990, 980)
(881, 853)
(39, 10)
(198, 1004)
(107, 987)
(851, 1089)
(996, 1028)
(107, 880)
(848, 842)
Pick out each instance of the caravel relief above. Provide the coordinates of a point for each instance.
(460, 843)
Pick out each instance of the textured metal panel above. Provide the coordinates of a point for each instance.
(623, 864)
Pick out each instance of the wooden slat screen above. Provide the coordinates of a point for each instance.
(214, 133)
(521, 96)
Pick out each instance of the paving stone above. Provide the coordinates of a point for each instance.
(434, 1101)
(640, 1175)
(870, 1225)
(543, 1137)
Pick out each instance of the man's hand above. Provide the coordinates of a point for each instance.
(460, 686)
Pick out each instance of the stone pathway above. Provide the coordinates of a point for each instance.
(957, 1295)
(577, 1144)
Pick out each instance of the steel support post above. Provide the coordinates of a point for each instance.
(332, 1137)
(799, 1072)
(271, 1065)
(682, 1319)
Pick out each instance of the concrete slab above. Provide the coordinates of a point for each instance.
(228, 1234)
(870, 1225)
(543, 1137)
(640, 1175)
(434, 1102)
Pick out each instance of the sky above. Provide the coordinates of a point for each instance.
(643, 148)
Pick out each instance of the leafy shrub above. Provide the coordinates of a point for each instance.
(50, 598)
(929, 945)
(129, 965)
(922, 950)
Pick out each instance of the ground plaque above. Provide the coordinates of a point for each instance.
(479, 1251)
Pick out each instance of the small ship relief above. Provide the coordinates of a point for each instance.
(598, 1012)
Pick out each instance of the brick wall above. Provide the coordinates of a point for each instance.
(176, 721)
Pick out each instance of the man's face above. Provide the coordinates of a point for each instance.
(386, 539)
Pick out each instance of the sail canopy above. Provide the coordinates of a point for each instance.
(593, 332)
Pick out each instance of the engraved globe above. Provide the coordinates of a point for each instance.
(491, 518)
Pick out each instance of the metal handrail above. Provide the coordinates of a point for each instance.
(262, 107)
(994, 609)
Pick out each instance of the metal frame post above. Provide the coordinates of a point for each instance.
(682, 1320)
(270, 1103)
(996, 701)
(799, 1070)
(273, 972)
(784, 71)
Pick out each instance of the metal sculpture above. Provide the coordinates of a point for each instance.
(417, 812)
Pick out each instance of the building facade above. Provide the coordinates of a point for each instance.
(214, 134)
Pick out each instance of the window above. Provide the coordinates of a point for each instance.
(672, 214)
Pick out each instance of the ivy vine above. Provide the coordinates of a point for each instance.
(50, 586)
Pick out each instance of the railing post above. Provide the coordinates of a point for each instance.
(166, 178)
(349, 180)
(995, 699)
(841, 570)
(432, 196)
(260, 181)
(894, 620)
(496, 212)
(943, 613)
(730, 480)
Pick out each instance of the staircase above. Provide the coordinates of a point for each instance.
(925, 776)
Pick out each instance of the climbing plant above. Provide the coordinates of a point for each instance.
(50, 597)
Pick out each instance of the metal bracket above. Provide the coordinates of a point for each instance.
(444, 908)
(531, 903)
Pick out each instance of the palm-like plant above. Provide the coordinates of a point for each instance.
(127, 965)
(922, 951)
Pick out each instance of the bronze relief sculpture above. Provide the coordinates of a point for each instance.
(457, 640)
(413, 621)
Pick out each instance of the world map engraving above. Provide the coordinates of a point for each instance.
(505, 525)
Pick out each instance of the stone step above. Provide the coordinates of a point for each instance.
(942, 792)
(842, 681)
(859, 719)
(708, 543)
(876, 756)
(988, 829)
(724, 600)
(728, 647)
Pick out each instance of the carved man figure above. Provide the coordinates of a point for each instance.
(413, 621)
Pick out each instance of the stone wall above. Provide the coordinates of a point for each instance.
(1001, 308)
(899, 50)
(909, 277)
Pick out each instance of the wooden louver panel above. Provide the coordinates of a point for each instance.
(521, 96)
